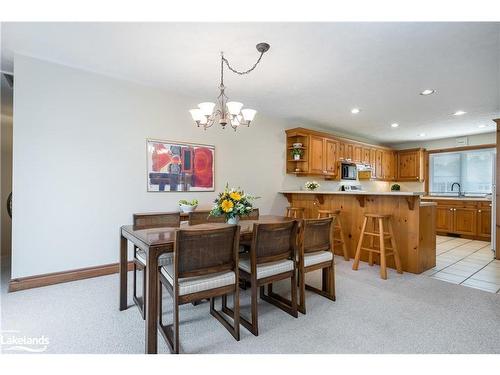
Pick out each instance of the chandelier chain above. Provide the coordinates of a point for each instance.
(246, 71)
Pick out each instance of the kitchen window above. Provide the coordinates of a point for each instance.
(472, 169)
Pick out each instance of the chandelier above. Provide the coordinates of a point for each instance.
(224, 111)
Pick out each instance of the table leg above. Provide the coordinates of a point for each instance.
(123, 273)
(151, 302)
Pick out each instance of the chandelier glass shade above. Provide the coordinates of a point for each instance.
(223, 111)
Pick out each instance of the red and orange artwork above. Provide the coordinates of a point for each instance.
(180, 166)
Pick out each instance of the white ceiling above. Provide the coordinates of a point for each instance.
(313, 74)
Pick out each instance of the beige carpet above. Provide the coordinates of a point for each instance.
(404, 314)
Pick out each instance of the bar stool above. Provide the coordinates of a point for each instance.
(337, 228)
(295, 212)
(382, 249)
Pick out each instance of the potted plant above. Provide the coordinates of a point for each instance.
(395, 187)
(188, 206)
(232, 203)
(311, 185)
(297, 153)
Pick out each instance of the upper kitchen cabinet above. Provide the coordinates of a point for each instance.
(314, 153)
(410, 165)
(319, 155)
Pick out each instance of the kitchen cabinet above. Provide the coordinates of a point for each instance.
(410, 165)
(331, 157)
(464, 220)
(323, 156)
(388, 165)
(365, 155)
(323, 152)
(358, 150)
(316, 151)
(464, 217)
(378, 164)
(484, 220)
(444, 219)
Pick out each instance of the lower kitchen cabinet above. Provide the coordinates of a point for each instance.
(467, 218)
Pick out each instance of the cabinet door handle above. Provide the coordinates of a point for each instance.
(478, 210)
(451, 209)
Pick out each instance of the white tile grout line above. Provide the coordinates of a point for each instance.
(449, 265)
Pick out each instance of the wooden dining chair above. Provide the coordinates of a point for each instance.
(316, 253)
(203, 217)
(271, 258)
(147, 221)
(205, 266)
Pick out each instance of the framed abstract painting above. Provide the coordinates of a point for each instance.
(175, 166)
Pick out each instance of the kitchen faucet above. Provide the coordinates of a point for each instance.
(459, 188)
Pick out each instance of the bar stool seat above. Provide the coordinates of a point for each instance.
(378, 226)
(338, 232)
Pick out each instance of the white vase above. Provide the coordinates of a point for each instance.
(233, 220)
(296, 157)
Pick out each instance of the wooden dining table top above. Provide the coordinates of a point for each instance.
(166, 235)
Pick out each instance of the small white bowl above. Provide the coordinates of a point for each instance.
(297, 145)
(187, 207)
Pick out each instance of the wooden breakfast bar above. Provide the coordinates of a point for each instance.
(413, 221)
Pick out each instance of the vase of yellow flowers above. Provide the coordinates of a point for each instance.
(232, 203)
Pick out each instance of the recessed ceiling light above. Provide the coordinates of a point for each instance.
(355, 111)
(395, 125)
(482, 126)
(421, 135)
(459, 113)
(428, 92)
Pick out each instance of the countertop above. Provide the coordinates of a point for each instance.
(394, 193)
(431, 197)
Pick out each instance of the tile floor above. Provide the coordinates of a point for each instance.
(466, 262)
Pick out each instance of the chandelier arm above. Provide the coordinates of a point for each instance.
(246, 71)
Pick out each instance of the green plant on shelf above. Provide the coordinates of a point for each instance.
(297, 152)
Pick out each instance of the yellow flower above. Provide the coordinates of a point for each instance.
(235, 195)
(227, 205)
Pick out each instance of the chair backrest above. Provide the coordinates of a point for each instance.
(206, 251)
(274, 241)
(157, 220)
(316, 235)
(203, 217)
(254, 215)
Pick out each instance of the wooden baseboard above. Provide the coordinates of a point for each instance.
(63, 277)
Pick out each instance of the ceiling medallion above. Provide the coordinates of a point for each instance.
(223, 111)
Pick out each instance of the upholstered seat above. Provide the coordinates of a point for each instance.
(267, 269)
(163, 260)
(317, 257)
(195, 284)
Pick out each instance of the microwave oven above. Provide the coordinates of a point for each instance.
(348, 171)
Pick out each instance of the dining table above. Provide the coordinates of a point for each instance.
(154, 242)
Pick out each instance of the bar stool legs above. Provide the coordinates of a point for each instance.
(382, 250)
(295, 212)
(337, 228)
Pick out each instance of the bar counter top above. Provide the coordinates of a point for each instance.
(395, 193)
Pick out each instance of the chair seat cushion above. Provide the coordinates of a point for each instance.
(267, 269)
(195, 284)
(317, 257)
(163, 260)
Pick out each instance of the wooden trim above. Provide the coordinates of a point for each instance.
(497, 213)
(464, 148)
(64, 276)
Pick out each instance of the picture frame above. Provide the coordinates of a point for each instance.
(174, 166)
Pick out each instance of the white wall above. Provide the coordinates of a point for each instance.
(80, 162)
